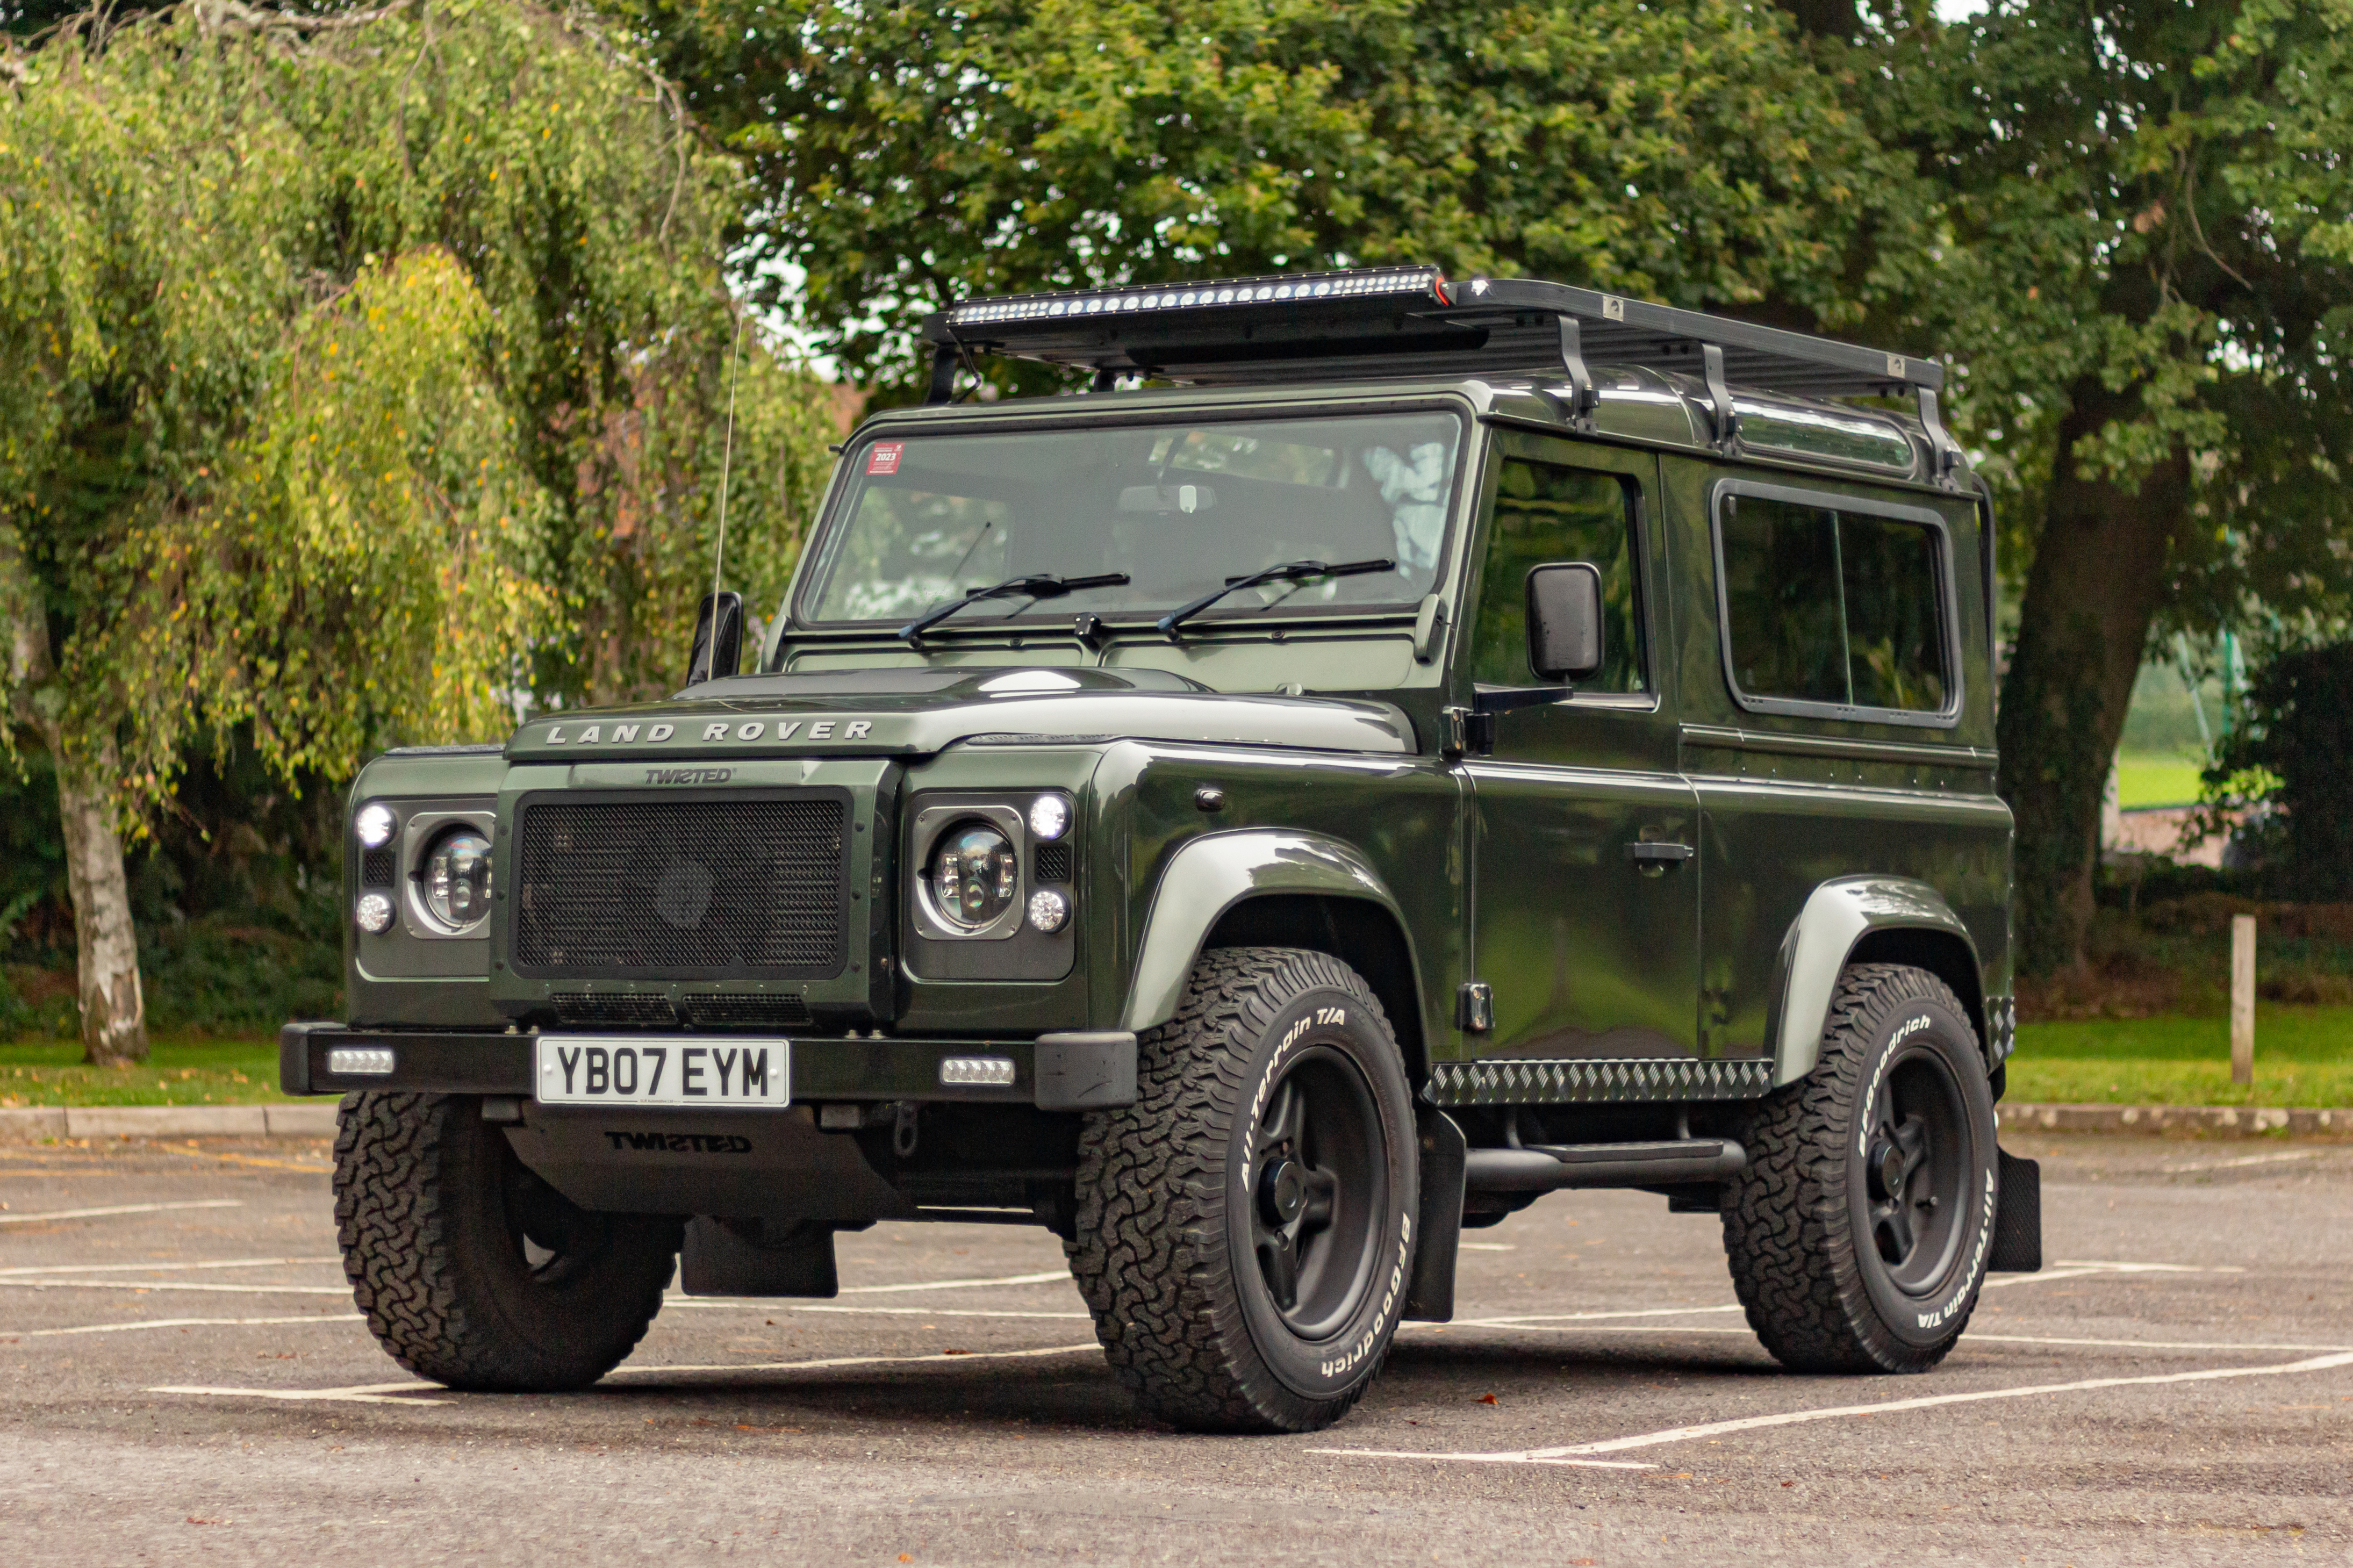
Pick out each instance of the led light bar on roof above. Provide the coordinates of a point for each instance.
(1422, 283)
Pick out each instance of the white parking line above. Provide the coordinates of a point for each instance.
(1972, 1338)
(769, 1304)
(357, 1393)
(175, 1285)
(1572, 1452)
(406, 1392)
(1052, 1274)
(118, 1208)
(8, 1335)
(159, 1268)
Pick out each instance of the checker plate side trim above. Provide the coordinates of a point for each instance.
(2001, 1023)
(1526, 1082)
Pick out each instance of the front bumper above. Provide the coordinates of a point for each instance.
(1052, 1072)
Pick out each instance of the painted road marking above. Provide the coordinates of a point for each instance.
(175, 1285)
(406, 1393)
(766, 1304)
(8, 1335)
(1573, 1451)
(118, 1208)
(1051, 1274)
(1971, 1337)
(357, 1393)
(159, 1268)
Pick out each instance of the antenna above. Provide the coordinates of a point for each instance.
(727, 458)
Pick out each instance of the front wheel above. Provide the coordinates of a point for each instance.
(1858, 1232)
(474, 1272)
(1245, 1230)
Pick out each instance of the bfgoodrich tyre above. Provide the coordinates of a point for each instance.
(471, 1270)
(1245, 1230)
(1859, 1230)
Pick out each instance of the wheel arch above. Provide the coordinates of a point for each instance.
(1867, 919)
(1277, 888)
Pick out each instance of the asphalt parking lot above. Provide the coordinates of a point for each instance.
(183, 1375)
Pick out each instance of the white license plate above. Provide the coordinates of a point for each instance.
(633, 1069)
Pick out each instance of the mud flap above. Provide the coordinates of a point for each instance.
(2018, 1218)
(748, 1258)
(1430, 1296)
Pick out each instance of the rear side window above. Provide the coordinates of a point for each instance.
(1836, 607)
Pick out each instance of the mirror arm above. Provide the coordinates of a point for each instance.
(1472, 730)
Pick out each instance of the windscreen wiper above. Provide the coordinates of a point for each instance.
(1036, 585)
(1289, 572)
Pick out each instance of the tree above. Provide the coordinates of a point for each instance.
(363, 376)
(906, 155)
(2145, 285)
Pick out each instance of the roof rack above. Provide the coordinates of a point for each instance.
(1371, 321)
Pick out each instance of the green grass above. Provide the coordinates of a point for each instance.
(178, 1072)
(2304, 1055)
(2157, 779)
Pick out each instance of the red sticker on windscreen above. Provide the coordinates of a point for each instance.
(882, 458)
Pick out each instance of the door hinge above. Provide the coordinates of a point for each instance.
(1474, 1007)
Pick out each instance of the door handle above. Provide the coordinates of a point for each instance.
(1647, 854)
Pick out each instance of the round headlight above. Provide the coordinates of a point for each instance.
(458, 879)
(1050, 815)
(1049, 910)
(373, 825)
(373, 913)
(975, 869)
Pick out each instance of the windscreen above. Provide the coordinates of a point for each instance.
(1181, 509)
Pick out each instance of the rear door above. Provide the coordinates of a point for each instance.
(1585, 896)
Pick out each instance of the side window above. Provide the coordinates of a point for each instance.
(1828, 607)
(1546, 513)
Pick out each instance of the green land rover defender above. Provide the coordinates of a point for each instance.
(1389, 750)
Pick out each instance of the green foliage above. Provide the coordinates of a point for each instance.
(365, 377)
(905, 155)
(2290, 754)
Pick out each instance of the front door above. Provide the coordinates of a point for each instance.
(1586, 892)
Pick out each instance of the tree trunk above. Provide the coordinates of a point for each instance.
(2098, 577)
(113, 1008)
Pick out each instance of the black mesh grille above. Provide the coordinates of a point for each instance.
(1053, 863)
(729, 1010)
(681, 886)
(376, 867)
(573, 1007)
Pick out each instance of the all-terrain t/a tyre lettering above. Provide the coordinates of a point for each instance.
(1858, 1233)
(1246, 1230)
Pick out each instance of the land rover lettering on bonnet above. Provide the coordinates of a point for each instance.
(1375, 752)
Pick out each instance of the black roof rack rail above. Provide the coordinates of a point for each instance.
(1393, 320)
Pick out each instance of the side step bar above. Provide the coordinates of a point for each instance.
(1549, 1167)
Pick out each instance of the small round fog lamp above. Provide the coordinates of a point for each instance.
(1049, 817)
(374, 914)
(1049, 910)
(373, 825)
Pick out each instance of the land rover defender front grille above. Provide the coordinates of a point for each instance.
(705, 886)
(720, 1010)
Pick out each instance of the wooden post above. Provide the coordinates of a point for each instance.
(2242, 999)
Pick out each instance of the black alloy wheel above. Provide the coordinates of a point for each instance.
(1860, 1228)
(1318, 1193)
(1245, 1230)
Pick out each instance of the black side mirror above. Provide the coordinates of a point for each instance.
(1565, 638)
(718, 638)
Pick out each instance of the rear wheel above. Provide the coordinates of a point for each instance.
(1245, 1228)
(474, 1272)
(1859, 1230)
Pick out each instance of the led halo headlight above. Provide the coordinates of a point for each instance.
(373, 913)
(373, 825)
(455, 880)
(974, 872)
(1049, 817)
